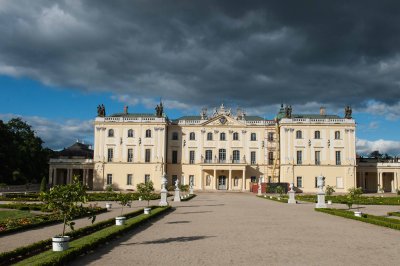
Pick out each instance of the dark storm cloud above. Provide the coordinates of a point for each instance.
(252, 53)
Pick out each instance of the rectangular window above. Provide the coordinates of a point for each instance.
(236, 156)
(191, 157)
(147, 156)
(146, 178)
(130, 155)
(174, 157)
(317, 158)
(316, 182)
(110, 155)
(129, 179)
(109, 179)
(338, 158)
(299, 157)
(253, 157)
(339, 182)
(270, 158)
(253, 137)
(183, 180)
(270, 136)
(299, 181)
(191, 180)
(208, 156)
(222, 155)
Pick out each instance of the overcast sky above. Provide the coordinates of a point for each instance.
(69, 56)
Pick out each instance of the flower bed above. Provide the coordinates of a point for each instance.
(364, 200)
(88, 243)
(366, 218)
(13, 225)
(20, 253)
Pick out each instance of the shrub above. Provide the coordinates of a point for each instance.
(124, 200)
(145, 191)
(329, 190)
(354, 196)
(279, 190)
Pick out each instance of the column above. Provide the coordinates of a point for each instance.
(201, 179)
(50, 176)
(380, 183)
(215, 178)
(244, 180)
(230, 180)
(392, 183)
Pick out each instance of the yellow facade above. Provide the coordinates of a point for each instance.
(223, 150)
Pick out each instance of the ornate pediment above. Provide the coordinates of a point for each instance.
(223, 120)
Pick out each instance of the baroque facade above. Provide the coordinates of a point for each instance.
(223, 150)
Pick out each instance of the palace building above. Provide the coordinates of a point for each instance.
(222, 150)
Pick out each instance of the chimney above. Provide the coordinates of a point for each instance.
(322, 110)
(125, 109)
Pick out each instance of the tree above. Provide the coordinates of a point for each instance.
(354, 196)
(375, 154)
(145, 191)
(329, 190)
(66, 200)
(43, 185)
(124, 200)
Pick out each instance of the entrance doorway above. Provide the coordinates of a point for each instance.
(222, 182)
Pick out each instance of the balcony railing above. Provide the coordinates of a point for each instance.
(222, 161)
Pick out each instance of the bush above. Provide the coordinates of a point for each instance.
(329, 190)
(145, 191)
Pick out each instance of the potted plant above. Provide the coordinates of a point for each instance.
(329, 191)
(355, 195)
(145, 191)
(110, 196)
(123, 200)
(66, 201)
(184, 188)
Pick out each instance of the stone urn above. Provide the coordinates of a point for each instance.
(120, 220)
(358, 214)
(147, 210)
(329, 202)
(60, 243)
(108, 206)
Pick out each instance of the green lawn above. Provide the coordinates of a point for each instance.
(14, 214)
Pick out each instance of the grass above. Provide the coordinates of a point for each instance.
(394, 214)
(366, 218)
(88, 243)
(14, 214)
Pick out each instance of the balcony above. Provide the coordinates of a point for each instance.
(221, 161)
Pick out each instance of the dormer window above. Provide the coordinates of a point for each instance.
(111, 133)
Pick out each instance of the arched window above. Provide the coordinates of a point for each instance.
(130, 133)
(148, 133)
(209, 136)
(111, 133)
(317, 134)
(253, 137)
(235, 136)
(174, 135)
(337, 134)
(299, 134)
(236, 156)
(192, 136)
(222, 136)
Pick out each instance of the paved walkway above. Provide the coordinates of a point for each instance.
(15, 240)
(240, 229)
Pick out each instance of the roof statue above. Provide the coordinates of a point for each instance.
(288, 111)
(203, 113)
(222, 111)
(101, 110)
(347, 112)
(159, 109)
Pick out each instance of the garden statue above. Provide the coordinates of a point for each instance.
(259, 186)
(320, 193)
(291, 192)
(164, 192)
(177, 196)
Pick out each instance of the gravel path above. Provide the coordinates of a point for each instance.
(15, 240)
(241, 229)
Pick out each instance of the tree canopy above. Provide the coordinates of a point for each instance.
(22, 156)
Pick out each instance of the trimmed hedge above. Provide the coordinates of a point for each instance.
(366, 218)
(88, 243)
(47, 219)
(189, 198)
(364, 200)
(20, 253)
(26, 206)
(282, 200)
(394, 214)
(107, 196)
